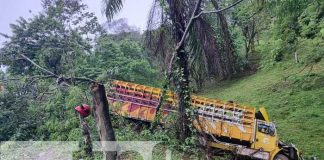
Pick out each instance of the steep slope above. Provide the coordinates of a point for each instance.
(294, 97)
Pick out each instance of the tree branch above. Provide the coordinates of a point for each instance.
(220, 10)
(43, 69)
(60, 79)
(179, 45)
(36, 78)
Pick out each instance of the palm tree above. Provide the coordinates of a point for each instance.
(201, 54)
(111, 7)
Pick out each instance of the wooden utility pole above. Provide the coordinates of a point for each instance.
(103, 121)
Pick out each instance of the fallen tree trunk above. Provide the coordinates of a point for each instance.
(102, 116)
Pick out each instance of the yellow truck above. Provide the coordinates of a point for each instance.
(224, 125)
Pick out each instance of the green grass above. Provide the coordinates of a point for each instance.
(293, 97)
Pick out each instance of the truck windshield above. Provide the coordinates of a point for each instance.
(267, 128)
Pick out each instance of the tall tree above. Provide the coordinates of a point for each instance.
(176, 17)
(57, 38)
(176, 9)
(54, 44)
(251, 19)
(227, 44)
(206, 43)
(201, 48)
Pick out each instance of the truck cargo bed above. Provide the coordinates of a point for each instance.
(214, 117)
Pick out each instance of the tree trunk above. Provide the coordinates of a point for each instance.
(249, 33)
(86, 136)
(199, 80)
(184, 95)
(102, 116)
(177, 9)
(228, 58)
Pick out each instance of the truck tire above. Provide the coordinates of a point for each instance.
(202, 141)
(281, 157)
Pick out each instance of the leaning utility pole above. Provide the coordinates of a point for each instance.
(102, 116)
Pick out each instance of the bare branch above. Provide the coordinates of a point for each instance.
(37, 77)
(179, 45)
(32, 77)
(220, 10)
(83, 79)
(60, 79)
(45, 70)
(41, 76)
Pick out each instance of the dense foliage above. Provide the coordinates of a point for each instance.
(280, 42)
(66, 40)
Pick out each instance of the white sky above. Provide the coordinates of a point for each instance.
(136, 11)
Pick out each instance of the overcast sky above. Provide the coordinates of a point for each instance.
(136, 11)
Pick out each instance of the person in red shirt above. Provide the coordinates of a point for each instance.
(84, 110)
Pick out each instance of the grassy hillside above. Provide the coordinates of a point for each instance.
(293, 96)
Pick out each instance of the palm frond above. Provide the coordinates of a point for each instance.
(158, 38)
(111, 7)
(210, 47)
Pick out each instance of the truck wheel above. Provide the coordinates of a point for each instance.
(202, 141)
(281, 157)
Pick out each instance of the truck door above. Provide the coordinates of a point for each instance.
(266, 136)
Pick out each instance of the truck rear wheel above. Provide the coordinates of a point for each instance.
(281, 157)
(202, 141)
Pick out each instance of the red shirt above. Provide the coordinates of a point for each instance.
(84, 111)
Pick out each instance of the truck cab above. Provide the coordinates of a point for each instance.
(267, 139)
(265, 136)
